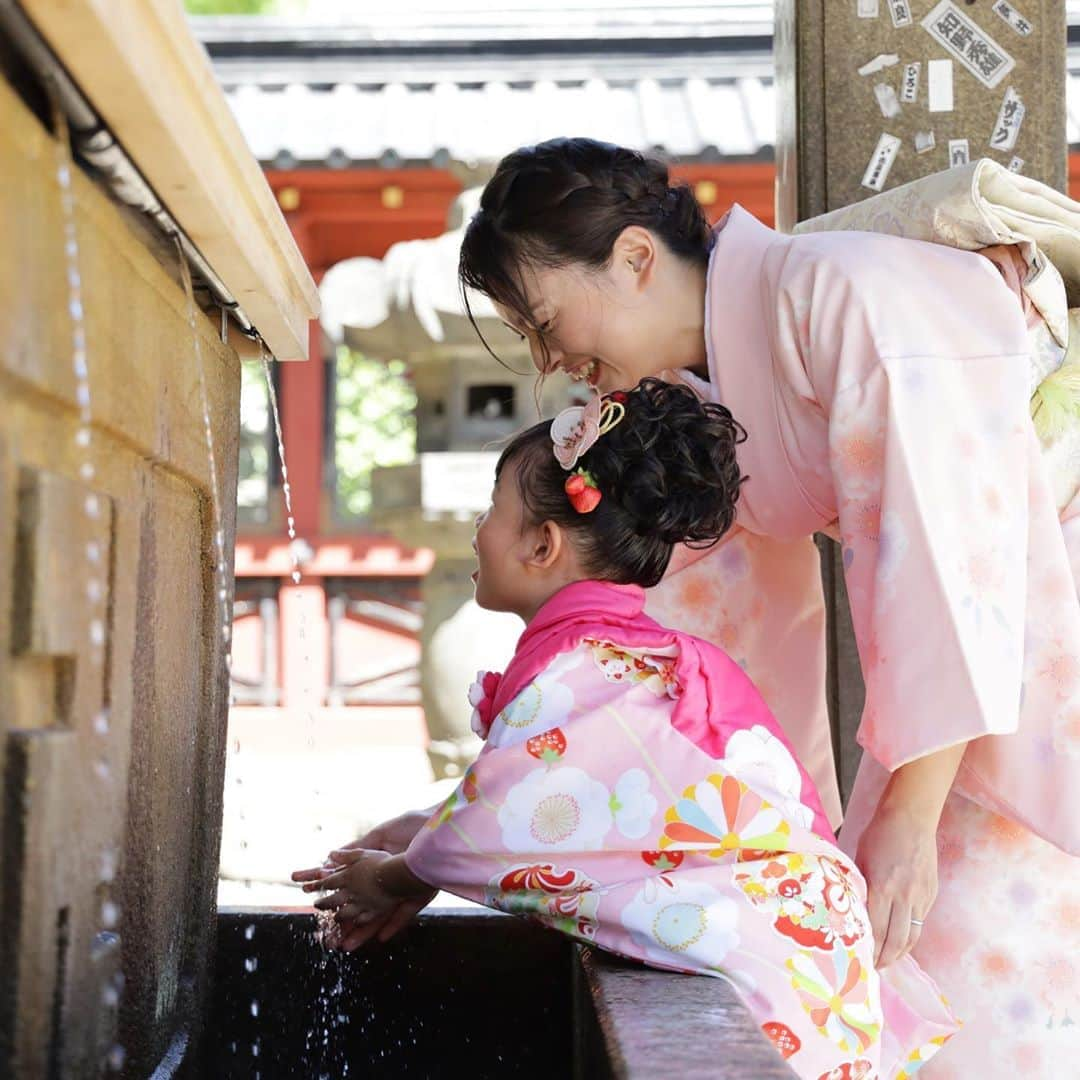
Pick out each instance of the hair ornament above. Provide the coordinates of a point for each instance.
(575, 430)
(582, 491)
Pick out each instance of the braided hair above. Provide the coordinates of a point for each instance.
(567, 201)
(667, 473)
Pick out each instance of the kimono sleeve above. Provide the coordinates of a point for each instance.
(929, 452)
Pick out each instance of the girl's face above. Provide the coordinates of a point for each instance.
(500, 542)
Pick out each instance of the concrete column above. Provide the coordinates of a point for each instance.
(979, 63)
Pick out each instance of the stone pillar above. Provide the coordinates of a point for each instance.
(874, 93)
(113, 687)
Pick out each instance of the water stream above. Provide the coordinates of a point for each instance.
(329, 1012)
(96, 562)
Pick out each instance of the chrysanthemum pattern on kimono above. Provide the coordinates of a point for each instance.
(593, 810)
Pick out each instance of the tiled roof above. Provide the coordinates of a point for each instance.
(418, 83)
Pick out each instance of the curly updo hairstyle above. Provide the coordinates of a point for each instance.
(566, 201)
(666, 472)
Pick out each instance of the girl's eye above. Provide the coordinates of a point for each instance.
(545, 328)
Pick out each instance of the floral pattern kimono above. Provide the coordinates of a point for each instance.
(635, 792)
(884, 384)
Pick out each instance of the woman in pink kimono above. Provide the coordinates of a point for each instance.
(634, 790)
(884, 385)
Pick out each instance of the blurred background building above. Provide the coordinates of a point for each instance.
(376, 124)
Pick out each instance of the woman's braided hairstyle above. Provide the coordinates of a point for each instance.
(566, 201)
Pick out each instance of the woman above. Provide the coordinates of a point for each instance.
(883, 384)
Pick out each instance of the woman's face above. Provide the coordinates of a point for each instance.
(585, 327)
(614, 326)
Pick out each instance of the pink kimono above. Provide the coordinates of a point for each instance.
(635, 792)
(884, 385)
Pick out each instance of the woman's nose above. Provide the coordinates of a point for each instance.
(545, 359)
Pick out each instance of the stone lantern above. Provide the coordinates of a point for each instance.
(407, 306)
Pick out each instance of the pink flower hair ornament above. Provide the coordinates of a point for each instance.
(573, 432)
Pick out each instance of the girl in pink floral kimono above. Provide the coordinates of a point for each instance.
(634, 790)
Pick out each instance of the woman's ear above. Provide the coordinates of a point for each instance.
(634, 255)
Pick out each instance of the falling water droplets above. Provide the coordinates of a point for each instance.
(110, 914)
(249, 931)
(106, 939)
(251, 963)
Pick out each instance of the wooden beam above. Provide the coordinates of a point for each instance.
(138, 64)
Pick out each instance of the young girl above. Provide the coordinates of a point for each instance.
(634, 791)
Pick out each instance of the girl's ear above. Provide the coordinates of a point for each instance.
(546, 546)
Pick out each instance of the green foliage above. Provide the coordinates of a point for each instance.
(374, 425)
(236, 7)
(252, 493)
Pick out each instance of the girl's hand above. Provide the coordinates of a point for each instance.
(352, 934)
(897, 855)
(376, 895)
(354, 879)
(394, 835)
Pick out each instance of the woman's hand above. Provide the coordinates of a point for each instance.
(897, 855)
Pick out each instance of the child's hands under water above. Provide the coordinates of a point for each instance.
(375, 895)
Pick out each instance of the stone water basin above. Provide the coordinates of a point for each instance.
(463, 993)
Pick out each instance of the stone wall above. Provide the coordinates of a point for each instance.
(113, 690)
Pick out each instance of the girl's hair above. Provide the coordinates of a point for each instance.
(667, 474)
(566, 201)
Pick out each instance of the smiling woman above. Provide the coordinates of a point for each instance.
(620, 248)
(900, 426)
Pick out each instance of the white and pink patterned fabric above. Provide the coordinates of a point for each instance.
(636, 793)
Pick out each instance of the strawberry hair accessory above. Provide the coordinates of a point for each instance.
(582, 491)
